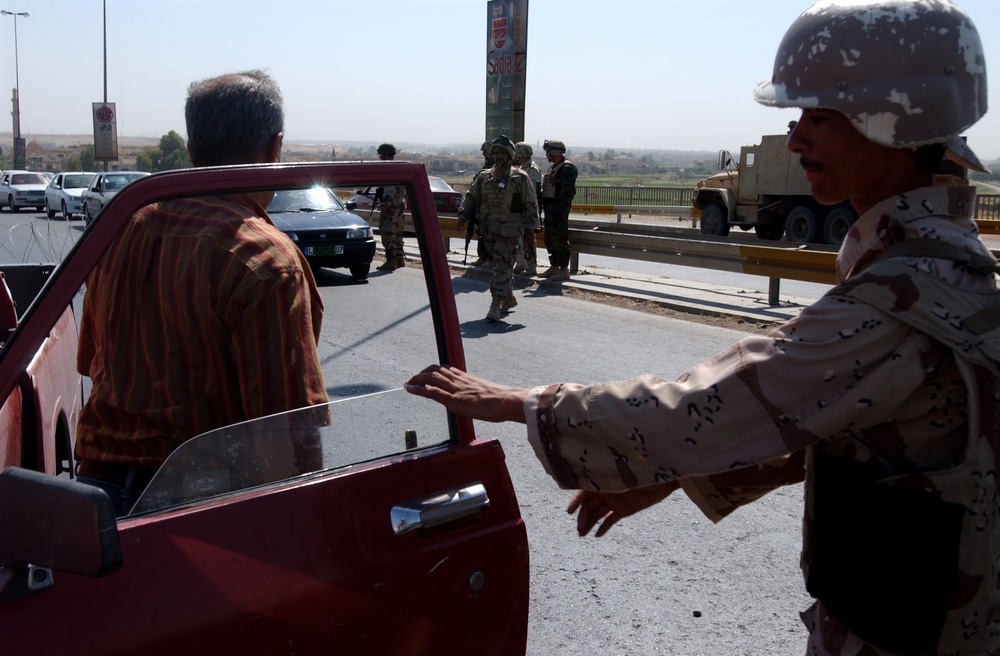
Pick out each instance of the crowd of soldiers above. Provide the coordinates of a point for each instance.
(508, 203)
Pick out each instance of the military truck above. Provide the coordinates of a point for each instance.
(767, 191)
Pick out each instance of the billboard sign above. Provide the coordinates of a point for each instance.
(105, 132)
(500, 69)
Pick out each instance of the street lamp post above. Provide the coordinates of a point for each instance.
(18, 163)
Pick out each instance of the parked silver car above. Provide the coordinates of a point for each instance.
(23, 189)
(102, 188)
(63, 193)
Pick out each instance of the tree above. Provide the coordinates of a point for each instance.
(83, 161)
(173, 153)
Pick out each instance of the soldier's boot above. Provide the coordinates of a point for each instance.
(479, 262)
(508, 302)
(400, 261)
(487, 263)
(548, 272)
(562, 273)
(494, 313)
(520, 265)
(388, 265)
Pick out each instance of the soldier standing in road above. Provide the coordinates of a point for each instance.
(558, 190)
(392, 206)
(507, 206)
(527, 255)
(883, 397)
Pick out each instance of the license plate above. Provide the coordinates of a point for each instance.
(320, 251)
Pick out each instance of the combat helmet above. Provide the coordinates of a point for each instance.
(905, 72)
(523, 149)
(487, 149)
(554, 144)
(387, 149)
(503, 141)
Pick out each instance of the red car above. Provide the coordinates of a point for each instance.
(446, 199)
(405, 539)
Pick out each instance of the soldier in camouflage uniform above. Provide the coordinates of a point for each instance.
(484, 252)
(527, 254)
(883, 396)
(558, 190)
(392, 206)
(507, 206)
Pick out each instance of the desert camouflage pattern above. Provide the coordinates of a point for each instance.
(391, 220)
(507, 207)
(527, 247)
(882, 397)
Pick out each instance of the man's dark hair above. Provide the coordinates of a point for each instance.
(232, 118)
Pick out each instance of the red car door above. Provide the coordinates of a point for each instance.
(405, 539)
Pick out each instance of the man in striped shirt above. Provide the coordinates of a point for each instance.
(202, 313)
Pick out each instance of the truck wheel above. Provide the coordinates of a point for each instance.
(801, 227)
(770, 232)
(713, 220)
(838, 222)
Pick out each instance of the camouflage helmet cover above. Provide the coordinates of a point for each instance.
(503, 142)
(386, 149)
(523, 149)
(905, 72)
(487, 148)
(554, 144)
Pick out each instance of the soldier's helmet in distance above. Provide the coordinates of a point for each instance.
(554, 144)
(386, 149)
(907, 73)
(503, 141)
(523, 149)
(487, 149)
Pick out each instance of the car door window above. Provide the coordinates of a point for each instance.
(376, 332)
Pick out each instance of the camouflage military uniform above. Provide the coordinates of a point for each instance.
(882, 397)
(558, 190)
(391, 221)
(527, 246)
(507, 207)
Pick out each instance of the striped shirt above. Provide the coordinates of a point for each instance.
(200, 315)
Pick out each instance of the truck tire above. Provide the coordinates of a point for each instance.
(801, 226)
(713, 220)
(838, 222)
(770, 232)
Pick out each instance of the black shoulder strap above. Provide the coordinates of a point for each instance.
(943, 250)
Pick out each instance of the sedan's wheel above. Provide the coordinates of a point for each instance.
(801, 226)
(713, 220)
(838, 223)
(49, 212)
(11, 205)
(66, 215)
(360, 271)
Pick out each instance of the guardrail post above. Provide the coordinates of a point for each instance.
(574, 263)
(772, 291)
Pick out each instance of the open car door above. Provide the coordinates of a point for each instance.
(401, 536)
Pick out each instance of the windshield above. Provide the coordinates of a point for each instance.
(297, 200)
(76, 181)
(28, 178)
(285, 446)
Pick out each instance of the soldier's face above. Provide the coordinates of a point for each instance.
(500, 156)
(553, 155)
(841, 164)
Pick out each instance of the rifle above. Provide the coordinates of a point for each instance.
(469, 227)
(376, 199)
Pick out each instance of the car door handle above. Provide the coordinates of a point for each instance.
(439, 508)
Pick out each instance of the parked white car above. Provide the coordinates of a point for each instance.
(63, 193)
(102, 188)
(23, 189)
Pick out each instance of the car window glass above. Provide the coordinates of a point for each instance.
(376, 331)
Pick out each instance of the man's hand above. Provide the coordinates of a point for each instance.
(609, 507)
(460, 224)
(468, 395)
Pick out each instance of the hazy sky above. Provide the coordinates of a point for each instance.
(671, 74)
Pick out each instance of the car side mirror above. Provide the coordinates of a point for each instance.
(351, 205)
(50, 523)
